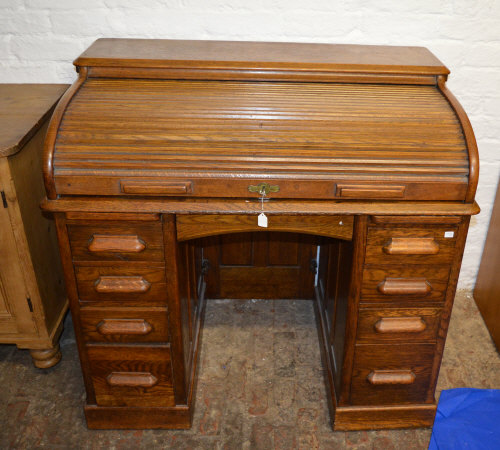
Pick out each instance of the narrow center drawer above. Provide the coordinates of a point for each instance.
(124, 324)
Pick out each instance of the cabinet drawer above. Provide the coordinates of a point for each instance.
(408, 284)
(116, 241)
(392, 374)
(411, 245)
(129, 284)
(131, 375)
(124, 324)
(398, 324)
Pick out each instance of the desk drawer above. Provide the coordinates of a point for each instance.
(377, 325)
(131, 375)
(411, 245)
(124, 324)
(408, 284)
(128, 284)
(116, 241)
(391, 374)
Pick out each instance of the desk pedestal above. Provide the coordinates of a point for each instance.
(383, 288)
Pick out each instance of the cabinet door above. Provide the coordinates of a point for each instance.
(15, 315)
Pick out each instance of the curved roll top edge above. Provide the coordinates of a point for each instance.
(470, 139)
(61, 109)
(50, 138)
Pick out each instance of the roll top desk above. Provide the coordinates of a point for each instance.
(359, 153)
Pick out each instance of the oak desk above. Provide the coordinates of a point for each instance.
(156, 162)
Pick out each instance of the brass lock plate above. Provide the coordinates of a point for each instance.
(263, 188)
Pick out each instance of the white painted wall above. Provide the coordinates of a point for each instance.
(40, 38)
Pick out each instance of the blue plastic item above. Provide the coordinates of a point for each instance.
(467, 419)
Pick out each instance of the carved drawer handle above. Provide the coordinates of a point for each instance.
(411, 246)
(121, 285)
(370, 191)
(116, 243)
(131, 379)
(124, 326)
(404, 286)
(381, 377)
(400, 325)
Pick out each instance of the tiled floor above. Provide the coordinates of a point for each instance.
(260, 386)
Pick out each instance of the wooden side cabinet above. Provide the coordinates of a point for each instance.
(32, 295)
(487, 289)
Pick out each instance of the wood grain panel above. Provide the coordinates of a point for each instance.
(119, 241)
(487, 289)
(369, 133)
(286, 56)
(404, 373)
(131, 376)
(280, 282)
(195, 225)
(236, 249)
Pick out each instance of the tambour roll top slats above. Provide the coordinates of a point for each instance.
(313, 139)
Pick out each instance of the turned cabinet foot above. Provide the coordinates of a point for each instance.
(43, 359)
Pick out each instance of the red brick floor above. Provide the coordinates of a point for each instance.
(260, 387)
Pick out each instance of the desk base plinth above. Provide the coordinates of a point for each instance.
(116, 417)
(352, 418)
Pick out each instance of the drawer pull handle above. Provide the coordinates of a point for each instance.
(369, 191)
(124, 326)
(121, 285)
(156, 187)
(411, 246)
(381, 377)
(400, 325)
(404, 286)
(116, 243)
(131, 379)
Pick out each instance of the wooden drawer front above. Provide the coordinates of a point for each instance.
(116, 241)
(131, 376)
(411, 245)
(125, 284)
(124, 324)
(410, 283)
(389, 374)
(398, 324)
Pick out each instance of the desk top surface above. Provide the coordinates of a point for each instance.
(265, 55)
(23, 109)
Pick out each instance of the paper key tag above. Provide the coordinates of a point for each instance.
(262, 220)
(449, 234)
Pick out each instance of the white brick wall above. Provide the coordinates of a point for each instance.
(40, 38)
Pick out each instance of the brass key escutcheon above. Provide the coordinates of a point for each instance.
(263, 188)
